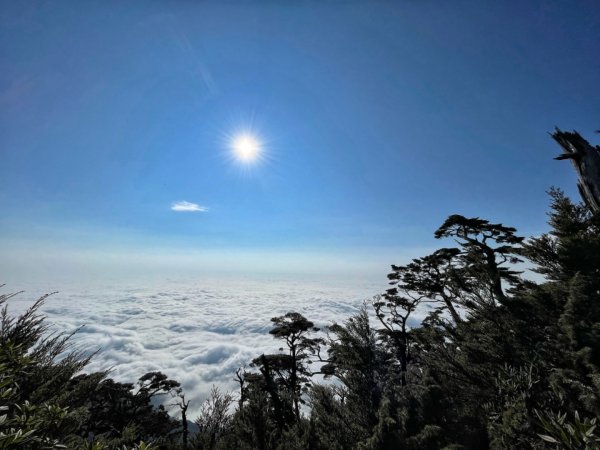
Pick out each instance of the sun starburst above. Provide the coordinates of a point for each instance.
(246, 147)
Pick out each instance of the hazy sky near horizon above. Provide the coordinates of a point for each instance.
(377, 120)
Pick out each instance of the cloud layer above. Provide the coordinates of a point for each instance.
(187, 207)
(197, 332)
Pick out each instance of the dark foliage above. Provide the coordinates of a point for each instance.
(498, 362)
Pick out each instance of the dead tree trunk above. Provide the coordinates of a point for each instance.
(586, 160)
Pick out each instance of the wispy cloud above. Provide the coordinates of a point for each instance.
(188, 206)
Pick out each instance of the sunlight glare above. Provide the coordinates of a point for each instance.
(246, 147)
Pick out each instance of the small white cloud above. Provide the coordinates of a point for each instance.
(188, 206)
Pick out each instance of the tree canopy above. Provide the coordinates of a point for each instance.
(501, 360)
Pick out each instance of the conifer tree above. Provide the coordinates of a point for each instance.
(292, 368)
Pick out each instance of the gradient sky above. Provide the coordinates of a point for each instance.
(379, 120)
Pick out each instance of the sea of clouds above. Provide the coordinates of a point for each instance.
(198, 332)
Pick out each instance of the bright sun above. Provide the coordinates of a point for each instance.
(246, 147)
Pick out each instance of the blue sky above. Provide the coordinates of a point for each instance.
(378, 119)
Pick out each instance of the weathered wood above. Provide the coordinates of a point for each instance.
(586, 160)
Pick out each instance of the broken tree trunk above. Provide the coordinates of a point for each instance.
(586, 160)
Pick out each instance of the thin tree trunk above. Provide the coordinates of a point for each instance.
(294, 382)
(403, 355)
(586, 160)
(452, 310)
(184, 423)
